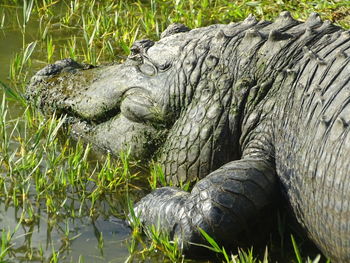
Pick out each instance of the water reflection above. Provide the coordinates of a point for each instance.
(98, 240)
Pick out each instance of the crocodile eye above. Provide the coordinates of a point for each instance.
(148, 69)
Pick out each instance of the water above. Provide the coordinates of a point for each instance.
(47, 233)
(10, 43)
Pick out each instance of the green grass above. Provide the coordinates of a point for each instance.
(41, 169)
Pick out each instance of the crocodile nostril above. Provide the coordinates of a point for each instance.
(141, 46)
(135, 51)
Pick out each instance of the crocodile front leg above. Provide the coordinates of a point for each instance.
(226, 204)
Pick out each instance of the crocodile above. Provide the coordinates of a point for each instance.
(245, 111)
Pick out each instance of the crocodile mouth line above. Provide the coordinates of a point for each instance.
(107, 114)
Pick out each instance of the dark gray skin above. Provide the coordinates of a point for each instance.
(249, 109)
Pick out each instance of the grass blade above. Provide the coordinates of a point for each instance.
(296, 250)
(13, 95)
(28, 52)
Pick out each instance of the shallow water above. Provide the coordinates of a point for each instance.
(47, 234)
(11, 42)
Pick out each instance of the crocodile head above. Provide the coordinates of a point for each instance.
(117, 106)
(175, 96)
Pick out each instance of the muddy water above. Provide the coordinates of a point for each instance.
(38, 240)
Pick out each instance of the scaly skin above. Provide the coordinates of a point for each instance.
(251, 109)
